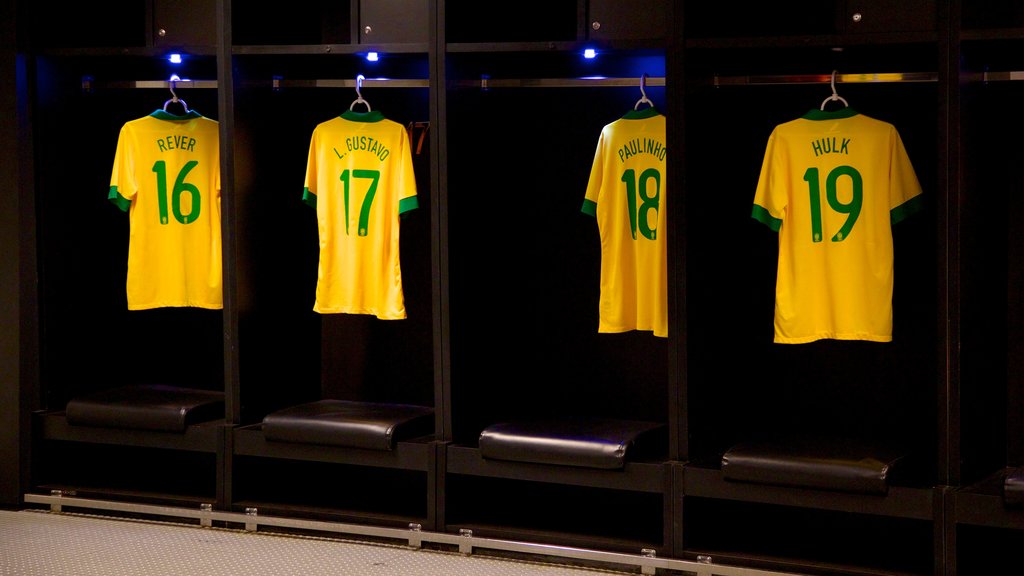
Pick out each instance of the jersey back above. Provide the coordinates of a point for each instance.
(626, 194)
(832, 183)
(359, 177)
(166, 175)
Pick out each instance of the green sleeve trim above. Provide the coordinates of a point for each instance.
(120, 201)
(407, 204)
(907, 209)
(761, 215)
(589, 207)
(309, 198)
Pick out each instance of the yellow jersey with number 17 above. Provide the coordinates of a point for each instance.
(832, 183)
(166, 175)
(626, 193)
(359, 177)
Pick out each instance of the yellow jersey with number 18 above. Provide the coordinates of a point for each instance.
(626, 193)
(359, 177)
(832, 183)
(166, 175)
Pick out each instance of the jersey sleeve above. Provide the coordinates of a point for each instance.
(906, 198)
(593, 193)
(309, 187)
(407, 199)
(770, 198)
(122, 182)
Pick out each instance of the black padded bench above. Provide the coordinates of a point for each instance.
(817, 464)
(370, 425)
(153, 407)
(590, 443)
(1013, 487)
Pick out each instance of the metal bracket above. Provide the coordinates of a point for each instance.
(467, 548)
(648, 553)
(415, 536)
(56, 506)
(205, 514)
(251, 512)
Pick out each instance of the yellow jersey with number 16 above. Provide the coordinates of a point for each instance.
(166, 175)
(360, 179)
(626, 193)
(832, 184)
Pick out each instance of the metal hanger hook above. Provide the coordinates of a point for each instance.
(643, 93)
(359, 95)
(171, 81)
(835, 94)
(174, 97)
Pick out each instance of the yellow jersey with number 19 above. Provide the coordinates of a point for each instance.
(166, 175)
(359, 177)
(832, 183)
(626, 193)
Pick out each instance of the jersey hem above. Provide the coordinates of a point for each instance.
(608, 330)
(368, 312)
(175, 305)
(831, 336)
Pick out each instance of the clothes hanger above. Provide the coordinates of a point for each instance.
(174, 97)
(835, 95)
(643, 93)
(359, 95)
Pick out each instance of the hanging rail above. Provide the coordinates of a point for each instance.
(582, 82)
(89, 84)
(993, 76)
(877, 77)
(882, 77)
(278, 83)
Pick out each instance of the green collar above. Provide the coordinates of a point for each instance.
(815, 114)
(372, 116)
(649, 112)
(160, 114)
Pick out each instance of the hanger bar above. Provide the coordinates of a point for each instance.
(278, 83)
(366, 83)
(825, 78)
(176, 84)
(993, 76)
(584, 82)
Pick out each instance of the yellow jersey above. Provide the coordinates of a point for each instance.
(359, 177)
(832, 184)
(166, 175)
(626, 194)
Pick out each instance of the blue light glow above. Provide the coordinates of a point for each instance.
(590, 53)
(372, 56)
(174, 58)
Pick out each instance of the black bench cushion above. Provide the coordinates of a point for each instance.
(1013, 487)
(591, 443)
(370, 425)
(817, 464)
(146, 407)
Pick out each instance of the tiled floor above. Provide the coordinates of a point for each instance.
(43, 543)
